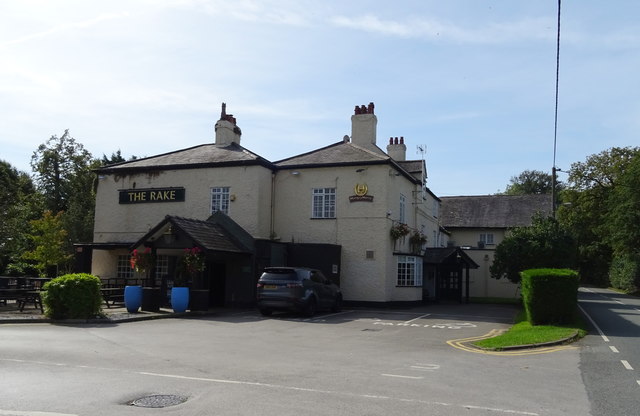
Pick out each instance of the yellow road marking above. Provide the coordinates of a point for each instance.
(464, 344)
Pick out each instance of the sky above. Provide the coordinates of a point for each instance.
(471, 81)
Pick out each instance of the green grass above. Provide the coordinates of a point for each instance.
(523, 333)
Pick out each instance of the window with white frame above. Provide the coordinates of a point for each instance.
(123, 267)
(220, 199)
(409, 271)
(402, 218)
(486, 238)
(323, 203)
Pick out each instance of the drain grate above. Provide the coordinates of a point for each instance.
(159, 400)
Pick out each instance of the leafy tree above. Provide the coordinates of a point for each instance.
(115, 158)
(623, 216)
(19, 203)
(531, 182)
(544, 244)
(49, 239)
(57, 164)
(63, 173)
(594, 209)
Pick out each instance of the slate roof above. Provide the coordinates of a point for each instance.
(209, 235)
(335, 154)
(343, 154)
(206, 155)
(448, 255)
(492, 211)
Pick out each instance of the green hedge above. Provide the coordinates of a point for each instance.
(550, 296)
(624, 273)
(72, 296)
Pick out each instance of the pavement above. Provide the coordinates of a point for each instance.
(10, 313)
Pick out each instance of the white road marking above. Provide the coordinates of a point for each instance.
(626, 364)
(638, 382)
(614, 349)
(399, 376)
(604, 337)
(265, 385)
(425, 367)
(415, 319)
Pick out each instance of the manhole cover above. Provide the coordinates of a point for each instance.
(159, 400)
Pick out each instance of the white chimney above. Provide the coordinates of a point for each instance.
(363, 127)
(227, 131)
(396, 149)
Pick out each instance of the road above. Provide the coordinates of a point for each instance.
(357, 362)
(610, 357)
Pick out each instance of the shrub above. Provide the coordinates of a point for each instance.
(550, 296)
(72, 296)
(624, 273)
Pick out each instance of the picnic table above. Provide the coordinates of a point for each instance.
(22, 297)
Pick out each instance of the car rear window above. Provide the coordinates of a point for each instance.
(279, 275)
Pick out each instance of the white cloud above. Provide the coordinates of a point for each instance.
(65, 27)
(432, 29)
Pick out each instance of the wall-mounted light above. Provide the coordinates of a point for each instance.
(295, 173)
(232, 197)
(361, 170)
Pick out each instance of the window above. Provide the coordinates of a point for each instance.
(123, 267)
(401, 215)
(409, 271)
(220, 200)
(486, 238)
(324, 203)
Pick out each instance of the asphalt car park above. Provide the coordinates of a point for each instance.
(357, 361)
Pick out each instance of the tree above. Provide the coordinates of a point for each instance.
(543, 244)
(623, 216)
(115, 158)
(591, 203)
(19, 203)
(531, 182)
(63, 173)
(57, 164)
(49, 238)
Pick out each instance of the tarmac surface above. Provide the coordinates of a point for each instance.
(11, 313)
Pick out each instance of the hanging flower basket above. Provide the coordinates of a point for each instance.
(399, 230)
(417, 240)
(142, 262)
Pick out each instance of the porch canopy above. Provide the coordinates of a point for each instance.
(216, 234)
(449, 262)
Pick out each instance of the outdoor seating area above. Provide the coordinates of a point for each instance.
(112, 290)
(21, 292)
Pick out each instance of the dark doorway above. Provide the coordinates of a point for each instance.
(450, 284)
(218, 279)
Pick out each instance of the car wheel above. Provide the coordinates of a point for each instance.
(265, 312)
(337, 305)
(310, 310)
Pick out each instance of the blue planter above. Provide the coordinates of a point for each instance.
(179, 298)
(132, 298)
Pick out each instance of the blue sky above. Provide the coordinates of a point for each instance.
(473, 81)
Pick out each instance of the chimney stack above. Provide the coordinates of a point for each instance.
(363, 127)
(396, 149)
(227, 131)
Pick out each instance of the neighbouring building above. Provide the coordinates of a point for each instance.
(479, 223)
(363, 215)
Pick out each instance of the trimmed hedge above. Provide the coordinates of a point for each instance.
(550, 296)
(72, 296)
(624, 273)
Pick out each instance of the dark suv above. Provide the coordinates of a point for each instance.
(296, 289)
